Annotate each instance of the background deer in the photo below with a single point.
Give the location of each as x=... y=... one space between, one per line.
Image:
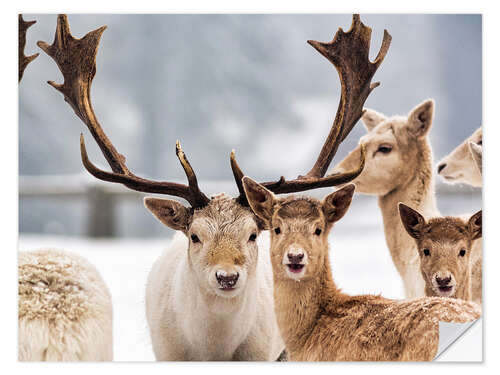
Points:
x=476 y=151
x=65 y=311
x=399 y=169
x=444 y=246
x=209 y=296
x=459 y=166
x=317 y=321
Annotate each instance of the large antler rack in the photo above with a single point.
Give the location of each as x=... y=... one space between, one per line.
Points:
x=23 y=59
x=349 y=53
x=76 y=59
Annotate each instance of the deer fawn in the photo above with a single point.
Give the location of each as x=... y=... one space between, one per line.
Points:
x=399 y=169
x=317 y=321
x=461 y=165
x=209 y=297
x=444 y=245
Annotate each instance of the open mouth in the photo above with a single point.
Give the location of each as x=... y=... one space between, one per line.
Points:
x=445 y=289
x=295 y=268
x=227 y=288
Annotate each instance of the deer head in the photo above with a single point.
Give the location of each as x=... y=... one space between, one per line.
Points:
x=444 y=245
x=299 y=228
x=460 y=166
x=393 y=148
x=222 y=231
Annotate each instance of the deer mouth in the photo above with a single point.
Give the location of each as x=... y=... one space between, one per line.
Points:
x=445 y=290
x=295 y=267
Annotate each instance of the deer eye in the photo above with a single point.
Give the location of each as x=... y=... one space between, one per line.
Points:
x=195 y=238
x=384 y=149
x=427 y=252
x=277 y=230
x=462 y=253
x=480 y=143
x=317 y=232
x=252 y=237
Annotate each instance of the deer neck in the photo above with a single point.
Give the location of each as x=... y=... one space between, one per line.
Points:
x=299 y=305
x=418 y=192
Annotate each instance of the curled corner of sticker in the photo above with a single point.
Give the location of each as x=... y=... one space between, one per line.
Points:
x=453 y=333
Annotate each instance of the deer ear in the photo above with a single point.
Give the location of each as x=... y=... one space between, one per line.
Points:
x=477 y=154
x=412 y=220
x=260 y=199
x=372 y=118
x=476 y=225
x=335 y=205
x=171 y=213
x=420 y=118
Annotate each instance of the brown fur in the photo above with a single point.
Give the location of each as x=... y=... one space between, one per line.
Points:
x=320 y=323
x=444 y=239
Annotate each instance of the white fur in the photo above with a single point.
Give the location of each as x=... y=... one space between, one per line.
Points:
x=65 y=310
x=188 y=321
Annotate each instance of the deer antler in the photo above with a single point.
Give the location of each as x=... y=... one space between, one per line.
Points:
x=76 y=59
x=349 y=53
x=23 y=59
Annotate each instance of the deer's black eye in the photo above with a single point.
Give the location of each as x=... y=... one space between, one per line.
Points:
x=195 y=238
x=384 y=149
x=317 y=232
x=427 y=252
x=277 y=230
x=480 y=143
x=252 y=237
x=462 y=253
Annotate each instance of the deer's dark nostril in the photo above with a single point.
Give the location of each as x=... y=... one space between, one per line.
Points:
x=295 y=258
x=441 y=167
x=443 y=282
x=227 y=281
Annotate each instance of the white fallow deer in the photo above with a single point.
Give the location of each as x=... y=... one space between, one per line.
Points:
x=64 y=308
x=317 y=320
x=460 y=166
x=398 y=168
x=209 y=296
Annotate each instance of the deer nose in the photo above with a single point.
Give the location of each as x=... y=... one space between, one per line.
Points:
x=227 y=280
x=443 y=282
x=295 y=258
x=441 y=167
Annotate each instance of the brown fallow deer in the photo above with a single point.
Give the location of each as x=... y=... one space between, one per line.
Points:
x=317 y=321
x=209 y=296
x=399 y=168
x=444 y=246
x=460 y=165
x=23 y=59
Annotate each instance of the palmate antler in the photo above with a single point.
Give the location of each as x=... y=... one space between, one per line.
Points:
x=349 y=53
x=76 y=59
x=23 y=59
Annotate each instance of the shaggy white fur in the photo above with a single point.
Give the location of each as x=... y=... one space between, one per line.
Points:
x=188 y=322
x=65 y=311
